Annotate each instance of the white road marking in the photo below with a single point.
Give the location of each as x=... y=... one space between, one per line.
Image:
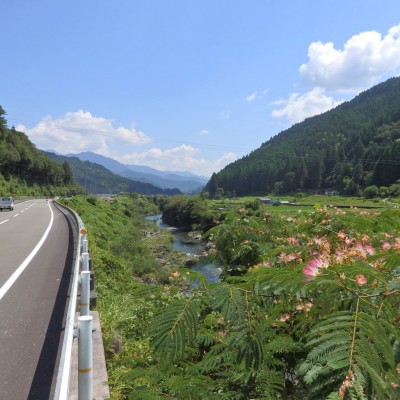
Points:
x=4 y=289
x=16 y=215
x=4 y=221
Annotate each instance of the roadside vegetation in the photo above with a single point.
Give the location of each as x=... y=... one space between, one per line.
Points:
x=308 y=306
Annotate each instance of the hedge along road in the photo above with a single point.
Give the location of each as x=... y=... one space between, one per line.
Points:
x=36 y=258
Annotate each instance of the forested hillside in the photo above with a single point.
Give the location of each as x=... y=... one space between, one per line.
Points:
x=25 y=170
x=349 y=148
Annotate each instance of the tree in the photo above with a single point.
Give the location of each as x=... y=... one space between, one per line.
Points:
x=212 y=185
x=371 y=192
x=68 y=176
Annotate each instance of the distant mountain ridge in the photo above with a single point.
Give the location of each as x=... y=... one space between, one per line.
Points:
x=98 y=179
x=186 y=182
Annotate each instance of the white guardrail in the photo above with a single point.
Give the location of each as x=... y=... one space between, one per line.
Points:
x=82 y=328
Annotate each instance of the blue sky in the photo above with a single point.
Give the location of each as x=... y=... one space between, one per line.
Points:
x=188 y=85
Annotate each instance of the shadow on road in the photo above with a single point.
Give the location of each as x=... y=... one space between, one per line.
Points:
x=43 y=383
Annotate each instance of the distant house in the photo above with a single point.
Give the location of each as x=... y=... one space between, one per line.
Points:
x=274 y=202
x=264 y=200
x=331 y=192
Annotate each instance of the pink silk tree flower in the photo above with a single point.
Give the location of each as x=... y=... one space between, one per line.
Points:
x=365 y=249
x=360 y=279
x=314 y=266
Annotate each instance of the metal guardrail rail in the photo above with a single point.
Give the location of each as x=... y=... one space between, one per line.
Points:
x=64 y=372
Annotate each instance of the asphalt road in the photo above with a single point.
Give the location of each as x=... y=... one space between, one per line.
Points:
x=36 y=258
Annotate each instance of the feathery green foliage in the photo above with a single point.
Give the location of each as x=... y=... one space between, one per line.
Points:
x=314 y=315
x=174 y=328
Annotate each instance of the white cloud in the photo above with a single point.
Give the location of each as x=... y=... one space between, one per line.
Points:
x=298 y=107
x=204 y=132
x=251 y=97
x=81 y=131
x=181 y=158
x=256 y=95
x=225 y=114
x=365 y=59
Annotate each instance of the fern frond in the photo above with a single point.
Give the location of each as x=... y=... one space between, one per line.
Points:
x=355 y=392
x=349 y=342
x=249 y=344
x=219 y=356
x=277 y=280
x=205 y=339
x=189 y=387
x=372 y=330
x=329 y=348
x=194 y=277
x=143 y=394
x=333 y=396
x=282 y=344
x=229 y=301
x=174 y=328
x=271 y=384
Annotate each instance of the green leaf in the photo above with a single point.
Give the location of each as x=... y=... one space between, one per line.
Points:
x=174 y=328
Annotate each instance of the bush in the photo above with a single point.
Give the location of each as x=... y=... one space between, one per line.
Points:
x=371 y=191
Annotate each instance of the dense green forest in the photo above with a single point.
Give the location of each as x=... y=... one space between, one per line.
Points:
x=349 y=148
x=25 y=170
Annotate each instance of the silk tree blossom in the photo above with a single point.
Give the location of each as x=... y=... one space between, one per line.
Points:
x=339 y=256
x=389 y=245
x=292 y=240
x=300 y=307
x=348 y=241
x=285 y=317
x=314 y=266
x=308 y=306
x=342 y=235
x=287 y=258
x=339 y=211
x=364 y=249
x=360 y=279
x=322 y=243
x=365 y=239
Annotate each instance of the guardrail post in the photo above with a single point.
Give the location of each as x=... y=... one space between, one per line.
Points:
x=84 y=240
x=84 y=245
x=85 y=293
x=85 y=261
x=85 y=358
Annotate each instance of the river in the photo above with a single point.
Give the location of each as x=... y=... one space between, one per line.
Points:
x=183 y=242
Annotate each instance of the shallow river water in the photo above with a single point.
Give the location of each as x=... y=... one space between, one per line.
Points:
x=183 y=242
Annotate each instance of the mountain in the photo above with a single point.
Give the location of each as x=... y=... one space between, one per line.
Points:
x=98 y=179
x=186 y=182
x=351 y=147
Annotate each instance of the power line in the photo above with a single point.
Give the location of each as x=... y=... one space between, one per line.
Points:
x=341 y=159
x=215 y=146
x=111 y=135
